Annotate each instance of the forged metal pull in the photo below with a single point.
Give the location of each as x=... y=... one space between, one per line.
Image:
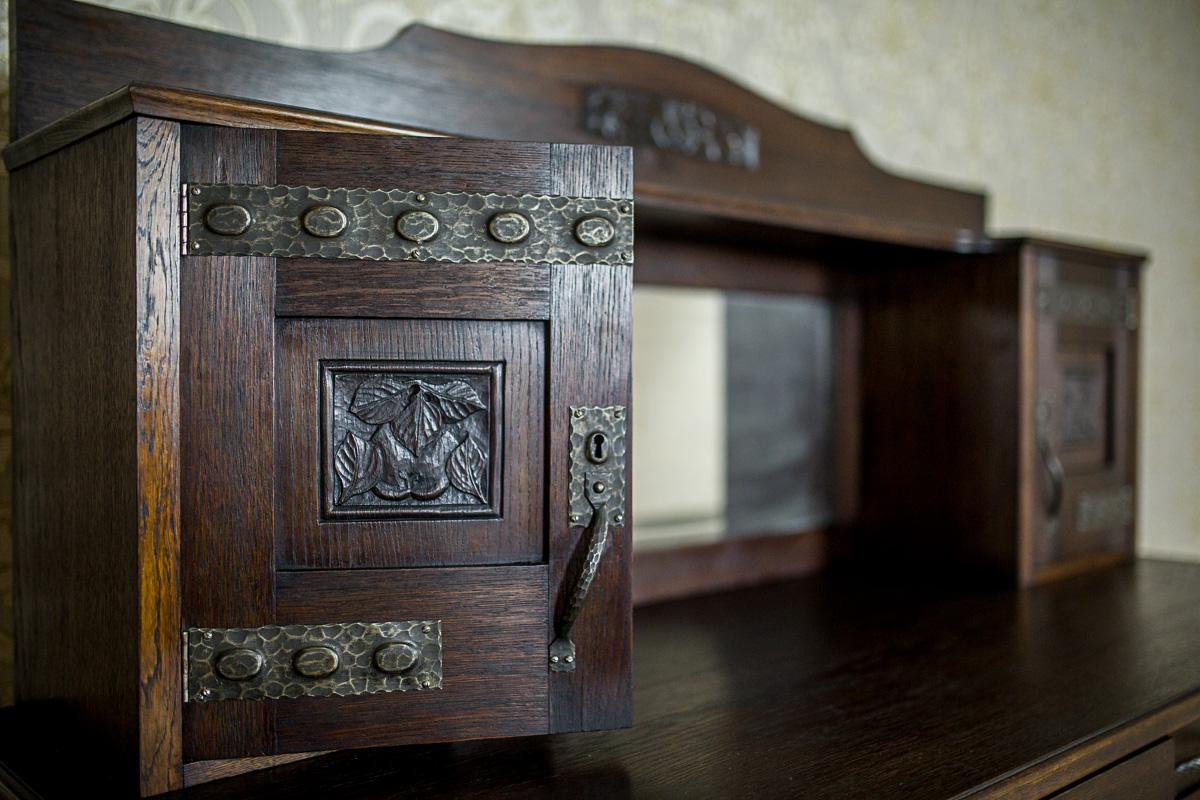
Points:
x=562 y=649
x=1054 y=468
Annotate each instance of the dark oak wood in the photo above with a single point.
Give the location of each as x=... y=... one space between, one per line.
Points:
x=589 y=353
x=941 y=427
x=732 y=563
x=1086 y=378
x=493 y=620
x=835 y=687
x=305 y=288
x=151 y=100
x=955 y=356
x=305 y=539
x=198 y=772
x=96 y=460
x=68 y=55
x=226 y=326
x=321 y=159
x=1147 y=775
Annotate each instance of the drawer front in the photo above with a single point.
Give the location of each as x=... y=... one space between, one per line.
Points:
x=1085 y=413
x=1146 y=775
x=399 y=523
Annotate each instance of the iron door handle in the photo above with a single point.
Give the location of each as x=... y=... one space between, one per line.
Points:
x=1051 y=462
x=562 y=649
x=1054 y=470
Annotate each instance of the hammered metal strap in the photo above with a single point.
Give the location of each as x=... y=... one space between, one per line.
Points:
x=336 y=660
x=1104 y=509
x=1089 y=305
x=403 y=225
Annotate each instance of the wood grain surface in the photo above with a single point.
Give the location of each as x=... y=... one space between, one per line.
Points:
x=70 y=54
x=96 y=458
x=590 y=346
x=493 y=628
x=306 y=540
x=835 y=687
x=228 y=470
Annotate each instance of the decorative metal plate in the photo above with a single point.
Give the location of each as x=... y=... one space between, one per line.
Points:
x=1105 y=509
x=1089 y=305
x=353 y=657
x=597 y=454
x=401 y=225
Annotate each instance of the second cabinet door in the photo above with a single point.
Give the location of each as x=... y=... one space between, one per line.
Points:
x=1085 y=423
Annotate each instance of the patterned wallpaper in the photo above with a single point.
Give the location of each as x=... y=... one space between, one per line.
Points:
x=1080 y=117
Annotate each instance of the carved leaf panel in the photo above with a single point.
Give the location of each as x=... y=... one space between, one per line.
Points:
x=410 y=439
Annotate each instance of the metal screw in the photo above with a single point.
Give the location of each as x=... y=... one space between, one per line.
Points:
x=553 y=659
x=578 y=413
x=570 y=659
x=204 y=694
x=618 y=518
x=208 y=635
x=196 y=190
x=426 y=628
x=420 y=198
x=618 y=413
x=574 y=518
x=624 y=208
x=598 y=487
x=426 y=684
x=627 y=256
x=196 y=246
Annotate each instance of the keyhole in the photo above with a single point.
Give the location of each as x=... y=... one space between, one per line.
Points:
x=597 y=448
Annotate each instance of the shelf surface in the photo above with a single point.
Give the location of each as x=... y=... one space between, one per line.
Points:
x=832 y=687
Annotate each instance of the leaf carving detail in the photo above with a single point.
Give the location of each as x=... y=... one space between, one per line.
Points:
x=359 y=464
x=418 y=423
x=412 y=453
x=466 y=468
x=380 y=400
x=455 y=400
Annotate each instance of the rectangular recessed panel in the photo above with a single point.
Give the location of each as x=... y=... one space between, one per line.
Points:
x=411 y=439
x=409 y=443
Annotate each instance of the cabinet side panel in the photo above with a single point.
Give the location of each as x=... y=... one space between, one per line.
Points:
x=156 y=324
x=941 y=366
x=75 y=455
x=590 y=352
x=227 y=379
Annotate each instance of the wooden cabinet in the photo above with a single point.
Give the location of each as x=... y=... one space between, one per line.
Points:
x=327 y=432
x=1085 y=399
x=999 y=410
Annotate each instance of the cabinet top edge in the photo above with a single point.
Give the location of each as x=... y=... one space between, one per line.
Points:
x=1070 y=248
x=184 y=105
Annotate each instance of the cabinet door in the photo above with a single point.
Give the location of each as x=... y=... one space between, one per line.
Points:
x=405 y=394
x=1085 y=411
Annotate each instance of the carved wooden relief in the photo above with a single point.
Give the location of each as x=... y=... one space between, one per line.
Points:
x=674 y=124
x=407 y=439
x=1083 y=404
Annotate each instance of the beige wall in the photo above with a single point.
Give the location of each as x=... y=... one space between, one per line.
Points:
x=1080 y=117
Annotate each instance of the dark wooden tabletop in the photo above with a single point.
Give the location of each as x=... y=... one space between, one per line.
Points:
x=832 y=688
